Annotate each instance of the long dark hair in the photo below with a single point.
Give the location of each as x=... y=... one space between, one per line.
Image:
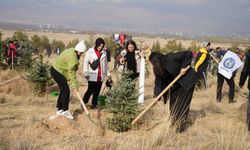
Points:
x=131 y=42
x=130 y=57
x=156 y=60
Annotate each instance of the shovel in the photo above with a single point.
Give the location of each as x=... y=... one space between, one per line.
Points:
x=84 y=107
x=156 y=99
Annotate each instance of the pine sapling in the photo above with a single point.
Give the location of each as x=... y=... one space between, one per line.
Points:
x=122 y=103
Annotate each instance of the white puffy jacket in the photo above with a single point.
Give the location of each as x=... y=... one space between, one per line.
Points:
x=90 y=57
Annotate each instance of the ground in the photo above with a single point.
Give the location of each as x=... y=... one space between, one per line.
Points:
x=24 y=120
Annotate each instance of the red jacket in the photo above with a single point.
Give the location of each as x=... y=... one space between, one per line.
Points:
x=122 y=38
x=12 y=47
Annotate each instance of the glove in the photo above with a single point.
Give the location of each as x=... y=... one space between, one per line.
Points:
x=109 y=83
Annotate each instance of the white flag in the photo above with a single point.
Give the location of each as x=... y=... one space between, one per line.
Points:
x=230 y=62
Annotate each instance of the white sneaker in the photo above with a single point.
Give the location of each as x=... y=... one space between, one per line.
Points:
x=67 y=114
x=58 y=113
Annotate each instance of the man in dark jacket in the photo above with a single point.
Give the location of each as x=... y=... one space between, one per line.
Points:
x=243 y=76
x=166 y=68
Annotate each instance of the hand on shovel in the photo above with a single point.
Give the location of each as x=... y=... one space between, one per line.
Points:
x=184 y=70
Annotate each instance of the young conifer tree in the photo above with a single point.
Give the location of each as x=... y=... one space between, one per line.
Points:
x=24 y=59
x=122 y=103
x=2 y=54
x=40 y=76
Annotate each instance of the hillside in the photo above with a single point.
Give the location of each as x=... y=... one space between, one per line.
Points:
x=67 y=37
x=24 y=122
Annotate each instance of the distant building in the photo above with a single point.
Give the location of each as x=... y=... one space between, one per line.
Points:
x=73 y=31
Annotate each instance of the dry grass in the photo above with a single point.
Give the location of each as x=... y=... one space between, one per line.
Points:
x=24 y=124
x=24 y=120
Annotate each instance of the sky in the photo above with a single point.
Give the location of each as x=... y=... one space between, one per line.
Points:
x=171 y=16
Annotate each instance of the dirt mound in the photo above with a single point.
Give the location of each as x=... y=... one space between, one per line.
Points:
x=80 y=131
x=91 y=126
x=57 y=125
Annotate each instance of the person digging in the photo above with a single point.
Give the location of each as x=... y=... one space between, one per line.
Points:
x=64 y=69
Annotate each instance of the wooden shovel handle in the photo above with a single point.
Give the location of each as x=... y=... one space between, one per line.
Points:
x=84 y=106
x=215 y=59
x=156 y=99
x=5 y=82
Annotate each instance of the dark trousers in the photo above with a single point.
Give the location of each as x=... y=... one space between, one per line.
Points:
x=248 y=111
x=93 y=88
x=202 y=80
x=63 y=99
x=180 y=100
x=230 y=82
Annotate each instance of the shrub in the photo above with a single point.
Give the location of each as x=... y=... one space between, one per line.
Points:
x=40 y=76
x=122 y=103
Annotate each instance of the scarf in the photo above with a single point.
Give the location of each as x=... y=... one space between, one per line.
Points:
x=131 y=62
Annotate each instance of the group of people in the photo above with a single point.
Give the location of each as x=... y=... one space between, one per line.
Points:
x=166 y=68
x=204 y=58
x=95 y=70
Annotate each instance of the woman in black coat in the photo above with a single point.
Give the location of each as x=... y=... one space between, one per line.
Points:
x=243 y=76
x=166 y=68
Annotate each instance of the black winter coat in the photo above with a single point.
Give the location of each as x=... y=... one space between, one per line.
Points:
x=245 y=71
x=172 y=64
